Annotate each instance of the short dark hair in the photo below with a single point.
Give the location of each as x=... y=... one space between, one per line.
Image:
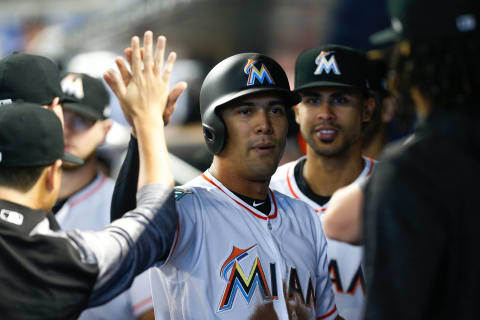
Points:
x=20 y=178
x=447 y=72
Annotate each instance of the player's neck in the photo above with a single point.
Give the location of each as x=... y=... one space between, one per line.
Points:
x=238 y=183
x=325 y=175
x=376 y=145
x=77 y=178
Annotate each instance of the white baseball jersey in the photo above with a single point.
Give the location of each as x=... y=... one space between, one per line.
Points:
x=89 y=209
x=345 y=262
x=230 y=261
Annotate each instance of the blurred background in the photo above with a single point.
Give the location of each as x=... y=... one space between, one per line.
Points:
x=85 y=36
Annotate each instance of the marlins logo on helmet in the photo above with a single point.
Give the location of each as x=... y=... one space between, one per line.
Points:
x=253 y=73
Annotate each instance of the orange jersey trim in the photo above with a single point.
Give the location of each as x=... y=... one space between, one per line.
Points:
x=328 y=314
x=142 y=303
x=89 y=193
x=245 y=207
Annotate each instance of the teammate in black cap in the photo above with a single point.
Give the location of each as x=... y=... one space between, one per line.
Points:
x=48 y=274
x=336 y=107
x=421 y=216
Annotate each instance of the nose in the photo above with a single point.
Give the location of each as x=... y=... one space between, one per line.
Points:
x=325 y=112
x=263 y=123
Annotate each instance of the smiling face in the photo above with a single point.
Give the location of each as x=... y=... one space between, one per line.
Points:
x=331 y=118
x=256 y=134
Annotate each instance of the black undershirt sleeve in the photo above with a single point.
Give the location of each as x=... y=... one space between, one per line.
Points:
x=123 y=198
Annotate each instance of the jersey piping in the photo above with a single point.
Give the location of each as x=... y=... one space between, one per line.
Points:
x=325 y=316
x=367 y=170
x=245 y=205
x=89 y=193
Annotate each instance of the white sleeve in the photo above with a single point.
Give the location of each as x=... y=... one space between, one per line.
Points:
x=140 y=294
x=326 y=308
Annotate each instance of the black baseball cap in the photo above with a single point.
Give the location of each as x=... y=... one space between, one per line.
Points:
x=331 y=66
x=31 y=136
x=88 y=95
x=429 y=19
x=29 y=78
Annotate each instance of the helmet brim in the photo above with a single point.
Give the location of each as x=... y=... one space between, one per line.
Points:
x=292 y=98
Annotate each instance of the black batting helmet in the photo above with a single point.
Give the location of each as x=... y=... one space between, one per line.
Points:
x=237 y=76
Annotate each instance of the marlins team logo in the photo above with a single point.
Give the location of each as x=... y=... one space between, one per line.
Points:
x=237 y=280
x=72 y=85
x=254 y=73
x=326 y=62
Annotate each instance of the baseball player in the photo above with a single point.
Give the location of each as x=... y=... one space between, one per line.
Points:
x=335 y=108
x=242 y=251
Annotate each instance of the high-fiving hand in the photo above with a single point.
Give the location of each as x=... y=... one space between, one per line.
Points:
x=143 y=91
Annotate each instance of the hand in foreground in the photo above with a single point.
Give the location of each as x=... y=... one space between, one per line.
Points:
x=143 y=92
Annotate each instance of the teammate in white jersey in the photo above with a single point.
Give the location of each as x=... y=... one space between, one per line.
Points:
x=85 y=191
x=335 y=108
x=242 y=251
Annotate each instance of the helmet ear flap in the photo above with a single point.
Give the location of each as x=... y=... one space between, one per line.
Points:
x=214 y=135
x=208 y=133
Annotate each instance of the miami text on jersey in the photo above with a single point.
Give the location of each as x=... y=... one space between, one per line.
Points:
x=233 y=273
x=357 y=279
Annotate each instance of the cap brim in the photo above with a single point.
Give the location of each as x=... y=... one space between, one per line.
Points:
x=384 y=37
x=292 y=97
x=325 y=84
x=83 y=110
x=68 y=157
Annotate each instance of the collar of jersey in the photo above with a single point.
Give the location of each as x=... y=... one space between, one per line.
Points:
x=295 y=190
x=211 y=179
x=88 y=191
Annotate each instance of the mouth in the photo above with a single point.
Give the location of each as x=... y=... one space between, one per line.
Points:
x=264 y=147
x=326 y=135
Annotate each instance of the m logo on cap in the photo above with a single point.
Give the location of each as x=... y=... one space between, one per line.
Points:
x=72 y=85
x=253 y=73
x=326 y=65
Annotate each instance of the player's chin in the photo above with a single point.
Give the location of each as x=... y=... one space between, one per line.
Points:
x=265 y=167
x=69 y=166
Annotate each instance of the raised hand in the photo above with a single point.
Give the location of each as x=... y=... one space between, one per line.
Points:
x=147 y=104
x=143 y=92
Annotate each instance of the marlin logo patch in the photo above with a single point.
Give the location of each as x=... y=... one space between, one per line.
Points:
x=72 y=84
x=254 y=73
x=326 y=62
x=179 y=193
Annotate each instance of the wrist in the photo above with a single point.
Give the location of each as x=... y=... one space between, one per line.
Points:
x=147 y=122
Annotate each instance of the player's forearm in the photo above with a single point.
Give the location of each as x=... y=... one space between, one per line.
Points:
x=129 y=245
x=154 y=164
x=343 y=219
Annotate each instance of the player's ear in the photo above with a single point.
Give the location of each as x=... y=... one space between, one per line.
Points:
x=295 y=110
x=53 y=175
